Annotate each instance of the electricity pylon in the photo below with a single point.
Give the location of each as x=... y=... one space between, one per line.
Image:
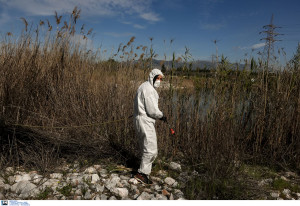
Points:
x=268 y=53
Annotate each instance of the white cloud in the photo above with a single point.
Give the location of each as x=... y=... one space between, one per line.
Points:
x=137 y=26
x=253 y=47
x=141 y=8
x=115 y=34
x=257 y=46
x=150 y=16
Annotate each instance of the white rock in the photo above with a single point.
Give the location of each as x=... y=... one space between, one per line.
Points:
x=99 y=188
x=78 y=192
x=291 y=174
x=51 y=183
x=20 y=173
x=133 y=187
x=262 y=183
x=97 y=197
x=298 y=195
x=76 y=181
x=103 y=197
x=274 y=194
x=265 y=182
x=161 y=197
x=126 y=198
x=103 y=175
x=23 y=187
x=34 y=192
x=9 y=170
x=157 y=188
x=97 y=167
x=11 y=179
x=112 y=182
x=1 y=180
x=56 y=176
x=87 y=195
x=133 y=181
x=87 y=177
x=103 y=171
x=95 y=178
x=6 y=187
x=37 y=178
x=75 y=174
x=170 y=181
x=171 y=197
x=32 y=174
x=125 y=183
x=178 y=193
x=2 y=197
x=90 y=170
x=147 y=190
x=157 y=179
x=162 y=173
x=166 y=187
x=25 y=177
x=114 y=175
x=284 y=178
x=85 y=185
x=144 y=196
x=112 y=198
x=288 y=196
x=121 y=192
x=124 y=177
x=18 y=178
x=175 y=166
x=286 y=191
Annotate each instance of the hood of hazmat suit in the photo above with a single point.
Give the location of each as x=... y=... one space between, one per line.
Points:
x=146 y=111
x=146 y=99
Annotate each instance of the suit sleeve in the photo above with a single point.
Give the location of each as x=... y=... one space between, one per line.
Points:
x=151 y=106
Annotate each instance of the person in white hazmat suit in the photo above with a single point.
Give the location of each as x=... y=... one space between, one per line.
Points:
x=146 y=111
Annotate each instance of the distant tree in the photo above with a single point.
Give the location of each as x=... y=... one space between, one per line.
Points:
x=295 y=61
x=163 y=68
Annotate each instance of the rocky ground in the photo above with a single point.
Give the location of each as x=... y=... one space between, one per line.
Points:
x=97 y=182
x=268 y=184
x=115 y=182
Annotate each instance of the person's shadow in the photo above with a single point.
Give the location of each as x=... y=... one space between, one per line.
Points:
x=128 y=158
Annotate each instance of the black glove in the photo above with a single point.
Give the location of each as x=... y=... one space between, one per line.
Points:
x=164 y=118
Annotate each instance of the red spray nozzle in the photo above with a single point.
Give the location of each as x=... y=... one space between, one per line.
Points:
x=172 y=131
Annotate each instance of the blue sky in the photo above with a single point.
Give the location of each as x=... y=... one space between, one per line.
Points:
x=194 y=24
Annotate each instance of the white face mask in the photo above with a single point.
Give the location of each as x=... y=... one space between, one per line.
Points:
x=156 y=84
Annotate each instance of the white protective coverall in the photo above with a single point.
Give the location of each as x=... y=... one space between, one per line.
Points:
x=146 y=111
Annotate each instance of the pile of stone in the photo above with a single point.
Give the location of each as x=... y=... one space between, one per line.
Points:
x=286 y=193
x=92 y=183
